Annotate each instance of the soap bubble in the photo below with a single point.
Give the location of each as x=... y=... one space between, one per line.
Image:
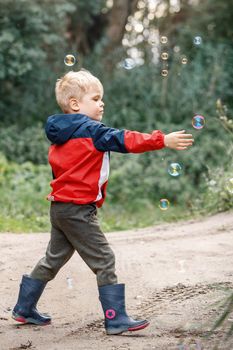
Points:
x=69 y=60
x=184 y=60
x=198 y=122
x=174 y=169
x=128 y=63
x=229 y=185
x=69 y=282
x=164 y=72
x=164 y=56
x=197 y=40
x=181 y=263
x=164 y=204
x=163 y=40
x=176 y=49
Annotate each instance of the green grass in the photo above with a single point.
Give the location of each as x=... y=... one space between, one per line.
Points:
x=24 y=208
x=24 y=225
x=112 y=217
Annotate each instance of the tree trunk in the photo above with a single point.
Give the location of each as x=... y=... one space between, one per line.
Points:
x=107 y=27
x=117 y=20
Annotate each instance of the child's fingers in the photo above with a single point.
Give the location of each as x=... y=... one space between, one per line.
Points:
x=180 y=132
x=185 y=141
x=181 y=148
x=184 y=146
x=185 y=136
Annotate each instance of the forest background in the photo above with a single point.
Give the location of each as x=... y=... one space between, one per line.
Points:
x=120 y=41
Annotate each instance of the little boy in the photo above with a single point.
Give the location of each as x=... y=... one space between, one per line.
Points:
x=79 y=157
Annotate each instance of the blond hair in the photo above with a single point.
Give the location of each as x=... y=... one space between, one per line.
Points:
x=75 y=85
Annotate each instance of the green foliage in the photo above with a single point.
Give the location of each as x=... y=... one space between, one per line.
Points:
x=23 y=145
x=84 y=17
x=23 y=191
x=138 y=213
x=146 y=101
x=35 y=36
x=218 y=190
x=22 y=196
x=223 y=321
x=32 y=48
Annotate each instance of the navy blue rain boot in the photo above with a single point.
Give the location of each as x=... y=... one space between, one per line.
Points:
x=112 y=298
x=25 y=310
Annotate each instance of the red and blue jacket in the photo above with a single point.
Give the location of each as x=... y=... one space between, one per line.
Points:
x=79 y=155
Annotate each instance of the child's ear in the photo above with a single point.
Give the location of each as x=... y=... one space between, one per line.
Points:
x=74 y=104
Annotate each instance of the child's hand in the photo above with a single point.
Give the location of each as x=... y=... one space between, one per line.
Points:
x=178 y=140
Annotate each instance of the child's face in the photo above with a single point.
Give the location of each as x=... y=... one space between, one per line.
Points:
x=91 y=104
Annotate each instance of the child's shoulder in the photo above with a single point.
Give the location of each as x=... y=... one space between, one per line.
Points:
x=62 y=127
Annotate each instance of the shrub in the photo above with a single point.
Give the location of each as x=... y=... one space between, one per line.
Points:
x=24 y=145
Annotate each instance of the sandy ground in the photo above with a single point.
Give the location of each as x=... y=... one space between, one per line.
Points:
x=176 y=275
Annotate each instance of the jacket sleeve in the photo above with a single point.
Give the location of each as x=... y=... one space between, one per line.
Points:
x=126 y=141
x=137 y=142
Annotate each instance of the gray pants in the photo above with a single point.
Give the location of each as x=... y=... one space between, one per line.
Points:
x=76 y=227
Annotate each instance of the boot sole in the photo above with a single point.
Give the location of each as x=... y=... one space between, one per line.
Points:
x=24 y=320
x=112 y=331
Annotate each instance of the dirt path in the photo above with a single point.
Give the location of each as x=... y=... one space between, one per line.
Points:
x=175 y=275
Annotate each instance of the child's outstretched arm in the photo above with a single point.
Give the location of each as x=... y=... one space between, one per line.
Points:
x=127 y=141
x=178 y=140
